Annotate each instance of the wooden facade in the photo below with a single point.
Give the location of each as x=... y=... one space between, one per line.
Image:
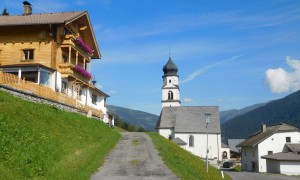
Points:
x=53 y=50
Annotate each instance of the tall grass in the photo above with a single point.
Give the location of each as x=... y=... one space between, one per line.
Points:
x=184 y=164
x=43 y=142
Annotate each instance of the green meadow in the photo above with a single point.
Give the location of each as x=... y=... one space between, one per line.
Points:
x=42 y=142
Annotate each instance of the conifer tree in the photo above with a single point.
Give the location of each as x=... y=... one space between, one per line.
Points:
x=5 y=12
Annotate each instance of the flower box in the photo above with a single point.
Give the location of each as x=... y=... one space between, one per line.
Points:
x=84 y=46
x=83 y=71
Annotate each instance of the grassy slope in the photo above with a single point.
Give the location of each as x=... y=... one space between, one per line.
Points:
x=40 y=141
x=182 y=163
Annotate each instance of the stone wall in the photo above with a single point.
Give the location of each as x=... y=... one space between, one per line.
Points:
x=33 y=98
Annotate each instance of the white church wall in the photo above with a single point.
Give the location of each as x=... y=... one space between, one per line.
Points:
x=199 y=148
x=166 y=133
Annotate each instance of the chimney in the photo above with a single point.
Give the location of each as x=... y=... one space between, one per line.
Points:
x=263 y=127
x=27 y=8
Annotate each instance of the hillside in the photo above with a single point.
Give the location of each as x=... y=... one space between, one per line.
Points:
x=135 y=117
x=183 y=163
x=39 y=141
x=283 y=110
x=229 y=114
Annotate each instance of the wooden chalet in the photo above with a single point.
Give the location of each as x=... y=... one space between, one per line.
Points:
x=52 y=50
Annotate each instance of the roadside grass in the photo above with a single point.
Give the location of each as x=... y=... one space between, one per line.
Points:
x=135 y=142
x=237 y=168
x=134 y=162
x=184 y=164
x=118 y=129
x=42 y=142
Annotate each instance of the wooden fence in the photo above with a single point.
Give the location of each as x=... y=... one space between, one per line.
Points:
x=45 y=92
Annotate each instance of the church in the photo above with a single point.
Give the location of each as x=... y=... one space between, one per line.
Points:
x=194 y=128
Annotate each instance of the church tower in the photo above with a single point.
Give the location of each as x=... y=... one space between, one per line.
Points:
x=170 y=88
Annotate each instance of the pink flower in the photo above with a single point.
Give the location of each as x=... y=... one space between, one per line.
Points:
x=84 y=46
x=83 y=72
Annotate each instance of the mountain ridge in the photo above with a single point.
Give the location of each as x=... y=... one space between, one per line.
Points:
x=282 y=110
x=135 y=117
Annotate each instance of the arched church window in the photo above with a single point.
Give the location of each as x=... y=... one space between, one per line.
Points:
x=191 y=141
x=169 y=80
x=170 y=95
x=224 y=155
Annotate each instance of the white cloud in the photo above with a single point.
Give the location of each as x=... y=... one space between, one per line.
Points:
x=220 y=100
x=111 y=92
x=202 y=70
x=188 y=100
x=99 y=86
x=281 y=81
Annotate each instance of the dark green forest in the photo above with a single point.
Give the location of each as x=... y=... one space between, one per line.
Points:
x=285 y=110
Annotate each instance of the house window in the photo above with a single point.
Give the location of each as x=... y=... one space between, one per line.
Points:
x=191 y=141
x=253 y=153
x=270 y=152
x=65 y=58
x=170 y=95
x=245 y=153
x=287 y=139
x=79 y=94
x=28 y=54
x=94 y=99
x=64 y=87
x=66 y=31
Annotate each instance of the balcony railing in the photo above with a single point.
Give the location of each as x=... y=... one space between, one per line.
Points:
x=45 y=92
x=71 y=70
x=83 y=72
x=78 y=43
x=84 y=46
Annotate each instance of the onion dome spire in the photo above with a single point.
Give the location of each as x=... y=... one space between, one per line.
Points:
x=170 y=69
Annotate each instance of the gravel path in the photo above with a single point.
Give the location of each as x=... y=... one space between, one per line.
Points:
x=134 y=158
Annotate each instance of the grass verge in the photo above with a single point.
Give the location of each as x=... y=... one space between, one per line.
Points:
x=42 y=142
x=237 y=168
x=184 y=164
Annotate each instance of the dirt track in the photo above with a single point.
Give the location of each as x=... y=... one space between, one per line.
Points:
x=134 y=158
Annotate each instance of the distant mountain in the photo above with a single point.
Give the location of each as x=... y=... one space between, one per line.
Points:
x=285 y=110
x=135 y=117
x=229 y=114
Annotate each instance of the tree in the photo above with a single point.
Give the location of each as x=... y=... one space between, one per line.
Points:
x=141 y=129
x=5 y=12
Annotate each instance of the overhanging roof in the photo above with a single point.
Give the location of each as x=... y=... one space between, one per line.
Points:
x=189 y=119
x=55 y=18
x=45 y=18
x=283 y=156
x=261 y=136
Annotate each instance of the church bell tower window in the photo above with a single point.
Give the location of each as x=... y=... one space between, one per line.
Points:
x=170 y=95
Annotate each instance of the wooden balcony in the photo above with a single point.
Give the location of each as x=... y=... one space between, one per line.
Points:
x=69 y=41
x=68 y=70
x=13 y=81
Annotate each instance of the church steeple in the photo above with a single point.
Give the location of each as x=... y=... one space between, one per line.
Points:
x=170 y=69
x=170 y=89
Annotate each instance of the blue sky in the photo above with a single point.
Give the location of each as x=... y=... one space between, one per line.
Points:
x=230 y=53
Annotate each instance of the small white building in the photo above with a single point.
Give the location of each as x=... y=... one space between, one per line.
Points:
x=187 y=125
x=287 y=163
x=225 y=150
x=266 y=145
